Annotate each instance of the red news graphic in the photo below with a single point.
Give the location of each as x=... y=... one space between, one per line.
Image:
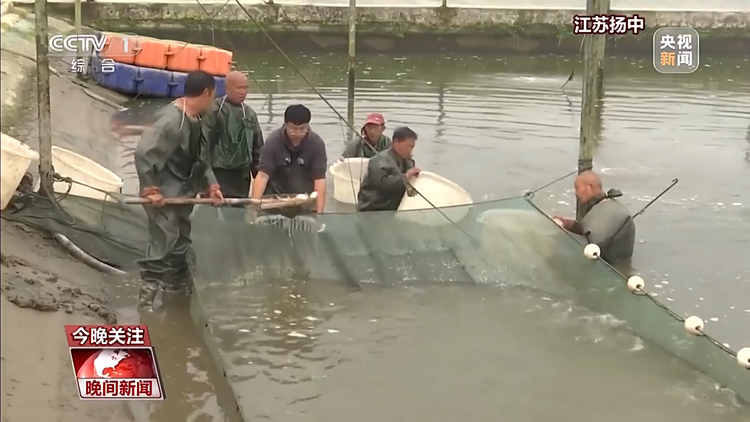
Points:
x=608 y=24
x=114 y=362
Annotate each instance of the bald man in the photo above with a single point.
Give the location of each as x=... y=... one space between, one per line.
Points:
x=604 y=220
x=235 y=138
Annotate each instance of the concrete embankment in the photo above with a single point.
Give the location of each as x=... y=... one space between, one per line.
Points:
x=512 y=28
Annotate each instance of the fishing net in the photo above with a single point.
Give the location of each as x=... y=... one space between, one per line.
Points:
x=509 y=242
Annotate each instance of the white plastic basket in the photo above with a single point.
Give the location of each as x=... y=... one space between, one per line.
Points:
x=15 y=160
x=454 y=202
x=347 y=176
x=83 y=170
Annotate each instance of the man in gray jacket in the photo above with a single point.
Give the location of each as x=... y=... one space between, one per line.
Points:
x=604 y=220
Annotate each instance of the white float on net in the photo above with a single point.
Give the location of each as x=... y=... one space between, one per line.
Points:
x=636 y=284
x=592 y=251
x=743 y=357
x=694 y=325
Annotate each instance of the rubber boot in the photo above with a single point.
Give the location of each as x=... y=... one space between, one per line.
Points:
x=147 y=294
x=176 y=293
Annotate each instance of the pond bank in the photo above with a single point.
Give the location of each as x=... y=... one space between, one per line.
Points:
x=403 y=29
x=43 y=287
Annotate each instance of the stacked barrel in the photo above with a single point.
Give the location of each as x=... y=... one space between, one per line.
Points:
x=156 y=68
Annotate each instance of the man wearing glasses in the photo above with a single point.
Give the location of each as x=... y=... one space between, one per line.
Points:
x=293 y=159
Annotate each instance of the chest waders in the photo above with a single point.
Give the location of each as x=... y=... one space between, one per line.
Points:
x=232 y=154
x=169 y=257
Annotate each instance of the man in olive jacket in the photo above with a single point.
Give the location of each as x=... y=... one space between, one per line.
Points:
x=604 y=221
x=384 y=185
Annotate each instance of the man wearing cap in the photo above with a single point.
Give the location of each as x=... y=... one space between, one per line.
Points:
x=372 y=133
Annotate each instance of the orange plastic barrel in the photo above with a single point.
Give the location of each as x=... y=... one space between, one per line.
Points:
x=120 y=48
x=215 y=61
x=153 y=53
x=183 y=56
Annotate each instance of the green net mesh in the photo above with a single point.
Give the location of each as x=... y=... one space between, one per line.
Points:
x=509 y=242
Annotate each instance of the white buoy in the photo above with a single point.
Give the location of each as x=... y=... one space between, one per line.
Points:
x=743 y=357
x=694 y=325
x=636 y=284
x=558 y=222
x=592 y=251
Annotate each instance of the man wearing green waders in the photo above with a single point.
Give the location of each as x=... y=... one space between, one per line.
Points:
x=372 y=134
x=235 y=138
x=171 y=162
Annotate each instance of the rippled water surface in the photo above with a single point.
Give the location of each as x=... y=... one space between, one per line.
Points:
x=499 y=126
x=448 y=353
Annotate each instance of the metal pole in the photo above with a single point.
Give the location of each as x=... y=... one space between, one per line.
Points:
x=593 y=66
x=42 y=93
x=352 y=63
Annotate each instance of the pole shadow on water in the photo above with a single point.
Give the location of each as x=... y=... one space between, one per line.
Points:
x=270 y=108
x=441 y=126
x=747 y=152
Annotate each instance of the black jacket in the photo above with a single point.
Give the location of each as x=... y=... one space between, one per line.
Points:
x=384 y=185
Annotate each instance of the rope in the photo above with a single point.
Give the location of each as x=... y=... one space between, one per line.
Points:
x=638 y=286
x=257 y=83
x=530 y=194
x=638 y=289
x=295 y=224
x=56 y=201
x=341 y=118
x=712 y=340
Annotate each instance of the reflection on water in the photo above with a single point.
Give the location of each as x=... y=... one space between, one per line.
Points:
x=500 y=126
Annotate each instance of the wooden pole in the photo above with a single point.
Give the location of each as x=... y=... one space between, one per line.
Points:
x=78 y=30
x=593 y=67
x=352 y=64
x=43 y=101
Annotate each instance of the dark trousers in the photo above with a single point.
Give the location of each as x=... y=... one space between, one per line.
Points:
x=234 y=183
x=168 y=254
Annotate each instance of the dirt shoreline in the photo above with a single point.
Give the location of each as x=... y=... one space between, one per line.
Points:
x=43 y=287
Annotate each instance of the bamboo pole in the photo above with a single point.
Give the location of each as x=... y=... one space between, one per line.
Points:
x=593 y=66
x=263 y=204
x=352 y=64
x=43 y=101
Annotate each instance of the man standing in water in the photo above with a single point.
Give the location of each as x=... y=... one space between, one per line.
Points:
x=293 y=160
x=372 y=134
x=384 y=186
x=171 y=162
x=235 y=138
x=604 y=220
